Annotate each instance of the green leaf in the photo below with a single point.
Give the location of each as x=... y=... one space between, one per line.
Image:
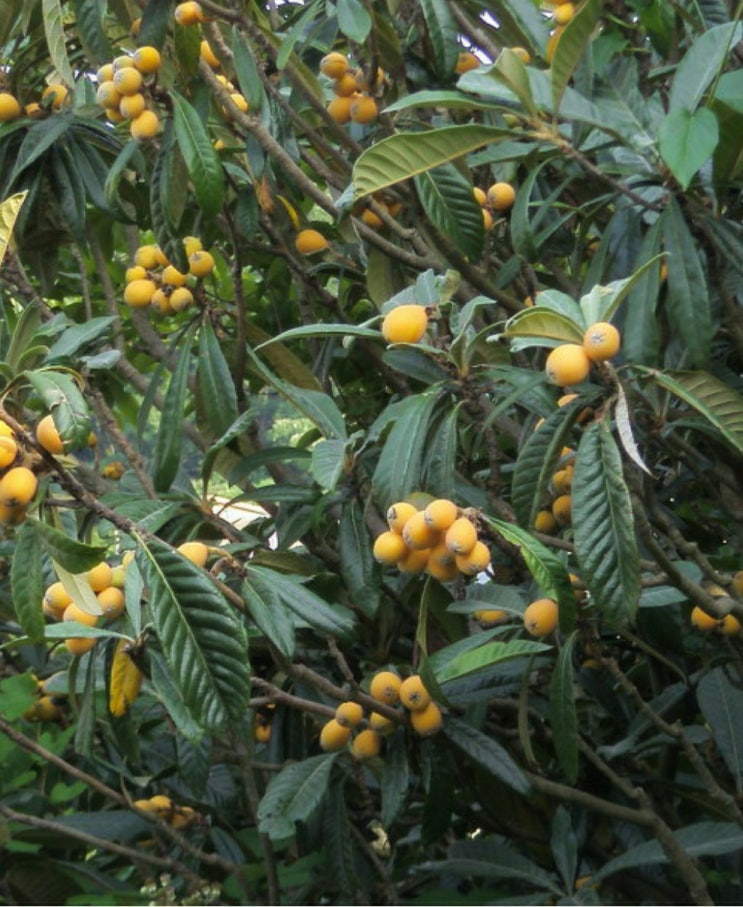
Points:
x=156 y=17
x=721 y=704
x=395 y=779
x=359 y=570
x=487 y=752
x=298 y=31
x=293 y=795
x=640 y=335
x=217 y=389
x=485 y=656
x=442 y=31
x=328 y=462
x=169 y=442
x=720 y=404
x=270 y=614
x=24 y=336
x=321 y=330
x=564 y=846
x=701 y=63
x=509 y=68
x=439 y=465
x=687 y=140
x=563 y=716
x=76 y=336
x=167 y=196
x=203 y=641
x=72 y=555
x=201 y=159
x=335 y=620
x=18 y=693
x=61 y=395
x=603 y=301
x=89 y=20
x=338 y=840
x=168 y=690
x=402 y=156
x=55 y=39
x=27 y=581
x=603 y=526
x=398 y=469
x=246 y=71
x=570 y=47
x=76 y=585
x=688 y=300
x=353 y=20
x=542 y=323
x=446 y=196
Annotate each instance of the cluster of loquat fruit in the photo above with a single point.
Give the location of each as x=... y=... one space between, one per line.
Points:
x=153 y=280
x=354 y=100
x=570 y=363
x=212 y=60
x=729 y=625
x=18 y=481
x=48 y=705
x=497 y=198
x=52 y=99
x=163 y=806
x=389 y=688
x=124 y=91
x=440 y=540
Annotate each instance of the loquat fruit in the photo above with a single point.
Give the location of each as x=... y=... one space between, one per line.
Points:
x=196 y=552
x=5 y=430
x=334 y=736
x=349 y=714
x=46 y=709
x=105 y=73
x=124 y=61
x=57 y=597
x=501 y=196
x=703 y=621
x=10 y=109
x=366 y=744
x=48 y=436
x=100 y=576
x=475 y=561
x=139 y=293
x=381 y=723
x=413 y=694
x=8 y=451
x=18 y=487
x=737 y=582
x=339 y=109
x=562 y=480
x=127 y=81
x=180 y=299
x=111 y=601
x=58 y=94
x=385 y=687
x=79 y=645
x=389 y=548
x=523 y=54
x=461 y=536
x=188 y=13
x=146 y=59
x=440 y=514
x=345 y=86
x=541 y=617
x=310 y=241
x=465 y=62
x=561 y=509
x=441 y=571
x=601 y=341
x=173 y=277
x=364 y=109
x=262 y=733
x=480 y=195
x=146 y=257
x=552 y=41
x=563 y=13
x=545 y=522
x=334 y=65
x=400 y=512
x=145 y=126
x=372 y=219
x=488 y=221
x=417 y=534
x=427 y=721
x=405 y=324
x=107 y=96
x=73 y=612
x=567 y=364
x=730 y=625
x=133 y=105
x=490 y=617
x=207 y=54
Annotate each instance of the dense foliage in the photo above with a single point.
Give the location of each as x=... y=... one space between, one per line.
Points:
x=235 y=490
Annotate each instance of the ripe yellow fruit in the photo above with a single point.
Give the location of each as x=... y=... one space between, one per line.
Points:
x=105 y=73
x=309 y=241
x=57 y=597
x=561 y=509
x=139 y=293
x=127 y=81
x=339 y=109
x=5 y=430
x=480 y=195
x=490 y=617
x=563 y=13
x=413 y=695
x=100 y=576
x=415 y=561
x=465 y=62
x=334 y=736
x=372 y=219
x=441 y=571
x=545 y=522
x=132 y=106
x=145 y=126
x=461 y=536
x=12 y=516
x=46 y=709
x=146 y=257
x=345 y=86
x=427 y=721
x=10 y=109
x=180 y=299
x=147 y=59
x=206 y=53
x=124 y=61
x=135 y=272
x=381 y=723
x=364 y=109
x=349 y=714
x=730 y=625
x=562 y=480
x=192 y=244
x=366 y=745
x=601 y=341
x=501 y=196
x=48 y=436
x=385 y=687
x=8 y=451
x=160 y=803
x=567 y=364
x=417 y=534
x=541 y=617
x=107 y=96
x=73 y=612
x=523 y=54
x=196 y=552
x=240 y=101
x=118 y=576
x=399 y=513
x=58 y=94
x=188 y=13
x=552 y=42
x=173 y=277
x=703 y=621
x=111 y=601
x=440 y=514
x=405 y=324
x=389 y=547
x=334 y=65
x=18 y=487
x=35 y=111
x=475 y=561
x=262 y=733
x=79 y=645
x=441 y=554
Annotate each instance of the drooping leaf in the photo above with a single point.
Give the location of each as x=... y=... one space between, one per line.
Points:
x=487 y=655
x=27 y=581
x=640 y=335
x=563 y=715
x=541 y=323
x=74 y=556
x=338 y=840
x=77 y=586
x=125 y=681
x=156 y=17
x=89 y=20
x=487 y=752
x=169 y=691
x=246 y=71
x=395 y=779
x=687 y=140
x=328 y=462
x=446 y=196
x=216 y=386
x=441 y=29
x=169 y=442
x=55 y=39
x=293 y=795
x=201 y=159
x=270 y=614
x=9 y=211
x=721 y=703
x=360 y=571
x=76 y=336
x=701 y=63
x=570 y=47
x=203 y=641
x=564 y=846
x=603 y=525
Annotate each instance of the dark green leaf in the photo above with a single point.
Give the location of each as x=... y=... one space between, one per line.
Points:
x=168 y=690
x=27 y=581
x=360 y=571
x=564 y=846
x=485 y=656
x=293 y=795
x=721 y=703
x=156 y=17
x=76 y=336
x=246 y=71
x=61 y=395
x=169 y=443
x=563 y=716
x=603 y=525
x=71 y=554
x=24 y=336
x=328 y=462
x=446 y=196
x=219 y=399
x=640 y=336
x=395 y=779
x=39 y=137
x=570 y=46
x=201 y=159
x=442 y=35
x=89 y=19
x=338 y=840
x=55 y=39
x=270 y=614
x=487 y=752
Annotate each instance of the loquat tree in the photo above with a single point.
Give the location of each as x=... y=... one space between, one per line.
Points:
x=371 y=446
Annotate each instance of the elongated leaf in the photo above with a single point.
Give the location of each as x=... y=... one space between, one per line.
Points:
x=338 y=840
x=27 y=581
x=270 y=614
x=167 y=196
x=201 y=159
x=216 y=386
x=547 y=569
x=395 y=779
x=74 y=556
x=442 y=33
x=293 y=795
x=360 y=571
x=335 y=620
x=564 y=845
x=624 y=430
x=169 y=692
x=539 y=322
x=156 y=17
x=61 y=394
x=402 y=156
x=125 y=681
x=246 y=71
x=721 y=703
x=399 y=467
x=9 y=211
x=321 y=330
x=720 y=404
x=89 y=20
x=76 y=585
x=570 y=46
x=488 y=655
x=76 y=336
x=203 y=642
x=55 y=39
x=563 y=716
x=486 y=752
x=605 y=543
x=701 y=64
x=640 y=335
x=687 y=140
x=510 y=69
x=169 y=443
x=446 y=196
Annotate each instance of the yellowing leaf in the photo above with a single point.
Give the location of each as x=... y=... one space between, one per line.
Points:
x=8 y=213
x=126 y=680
